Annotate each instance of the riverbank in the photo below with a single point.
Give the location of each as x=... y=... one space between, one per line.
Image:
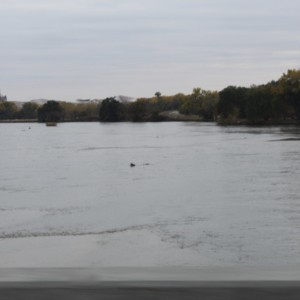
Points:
x=179 y=118
x=19 y=121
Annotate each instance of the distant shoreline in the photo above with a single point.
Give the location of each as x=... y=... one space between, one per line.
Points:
x=20 y=121
x=220 y=122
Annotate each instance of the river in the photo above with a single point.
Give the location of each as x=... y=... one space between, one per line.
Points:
x=199 y=194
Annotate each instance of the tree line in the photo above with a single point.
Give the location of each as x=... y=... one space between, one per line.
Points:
x=50 y=111
x=276 y=101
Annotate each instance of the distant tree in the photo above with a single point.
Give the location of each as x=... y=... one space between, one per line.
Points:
x=111 y=110
x=159 y=102
x=157 y=95
x=176 y=101
x=209 y=109
x=258 y=104
x=197 y=92
x=91 y=111
x=51 y=111
x=290 y=86
x=29 y=110
x=8 y=110
x=137 y=110
x=193 y=103
x=232 y=102
x=81 y=111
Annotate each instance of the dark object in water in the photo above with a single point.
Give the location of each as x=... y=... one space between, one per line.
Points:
x=132 y=165
x=51 y=124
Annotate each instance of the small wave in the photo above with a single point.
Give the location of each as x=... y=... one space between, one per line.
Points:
x=26 y=234
x=119 y=148
x=144 y=147
x=64 y=233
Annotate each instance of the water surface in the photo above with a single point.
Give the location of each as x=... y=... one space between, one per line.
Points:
x=230 y=193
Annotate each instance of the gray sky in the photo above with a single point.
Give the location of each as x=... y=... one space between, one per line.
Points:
x=69 y=49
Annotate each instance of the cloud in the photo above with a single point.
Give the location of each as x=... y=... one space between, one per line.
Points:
x=101 y=46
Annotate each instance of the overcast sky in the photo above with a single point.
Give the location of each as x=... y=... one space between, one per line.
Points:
x=69 y=49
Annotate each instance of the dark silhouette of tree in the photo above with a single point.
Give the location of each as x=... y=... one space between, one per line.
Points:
x=232 y=102
x=158 y=95
x=51 y=111
x=111 y=110
x=258 y=104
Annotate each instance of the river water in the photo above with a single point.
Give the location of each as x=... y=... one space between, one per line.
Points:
x=231 y=194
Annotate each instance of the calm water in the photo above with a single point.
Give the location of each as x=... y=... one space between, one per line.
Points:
x=231 y=193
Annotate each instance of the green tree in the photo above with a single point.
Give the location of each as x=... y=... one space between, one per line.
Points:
x=209 y=108
x=52 y=111
x=8 y=110
x=193 y=103
x=232 y=102
x=29 y=110
x=111 y=110
x=159 y=102
x=258 y=104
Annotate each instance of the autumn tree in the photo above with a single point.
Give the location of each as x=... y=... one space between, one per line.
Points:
x=290 y=85
x=137 y=110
